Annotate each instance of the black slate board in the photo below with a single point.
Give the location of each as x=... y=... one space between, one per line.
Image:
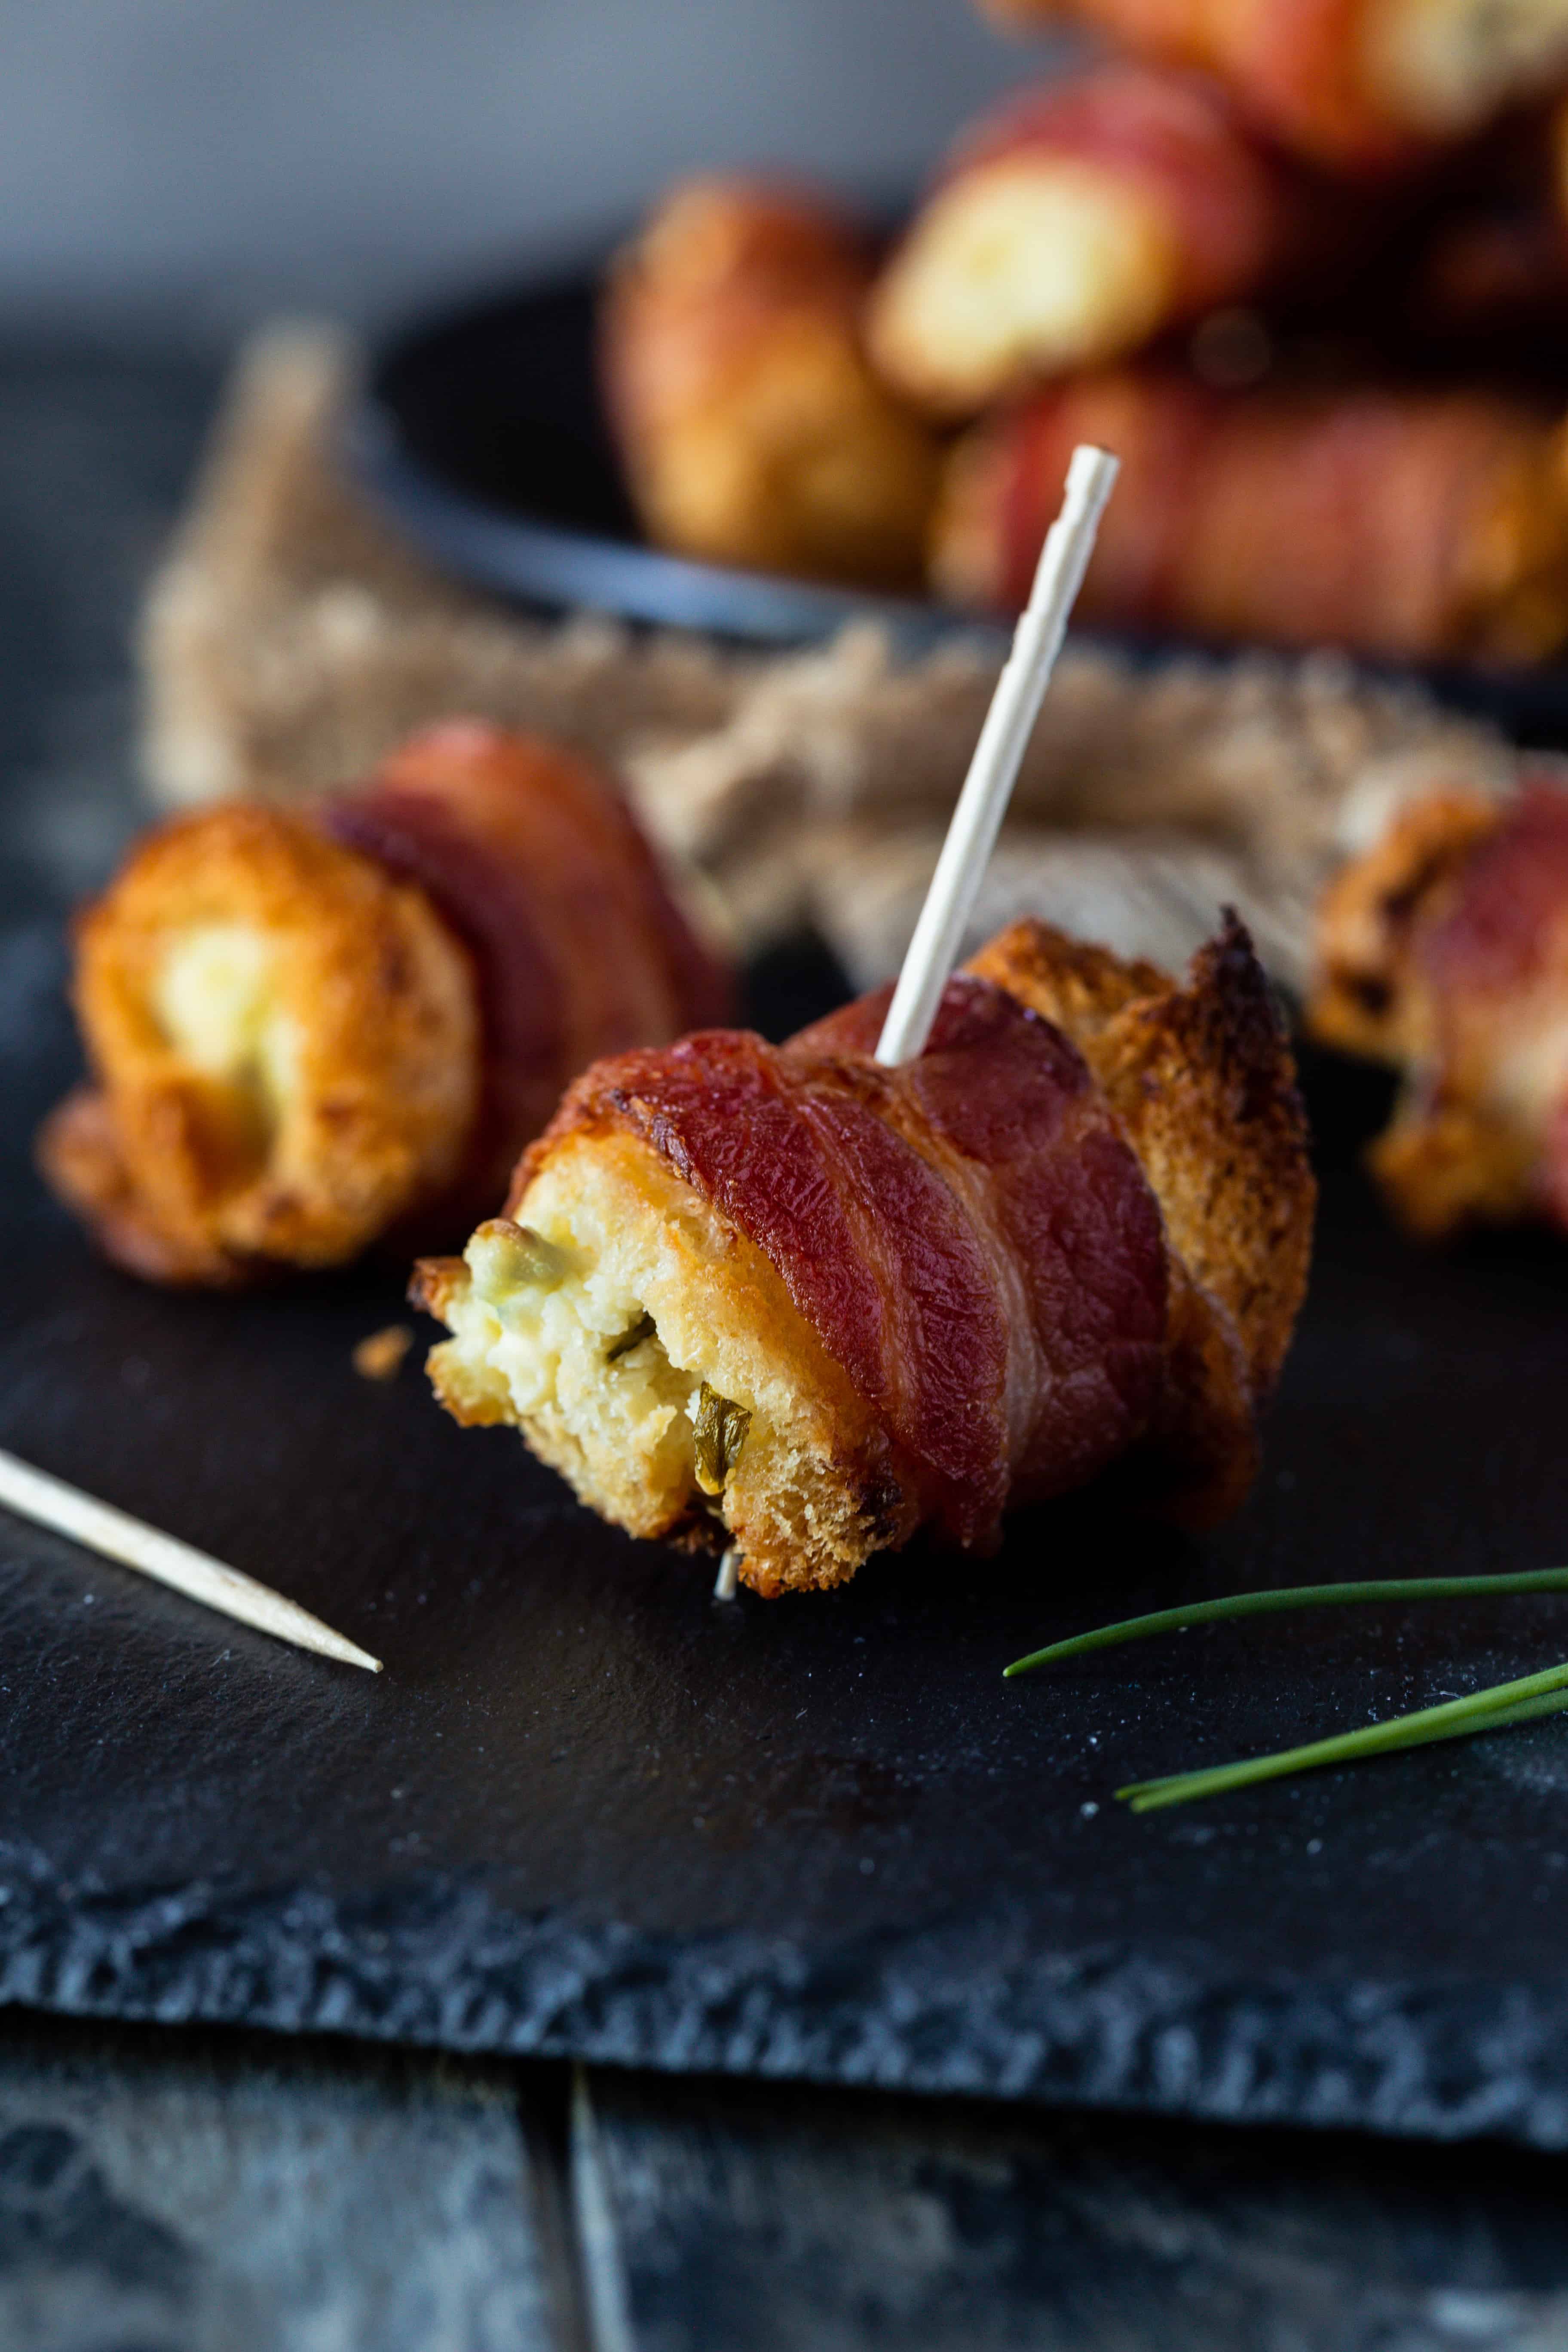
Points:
x=588 y=1810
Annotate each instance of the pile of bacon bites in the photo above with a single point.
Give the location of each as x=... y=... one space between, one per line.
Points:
x=1302 y=265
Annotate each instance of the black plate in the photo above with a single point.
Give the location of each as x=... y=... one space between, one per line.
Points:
x=587 y=1810
x=482 y=433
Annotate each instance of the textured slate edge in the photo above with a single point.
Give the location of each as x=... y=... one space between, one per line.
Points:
x=970 y=2008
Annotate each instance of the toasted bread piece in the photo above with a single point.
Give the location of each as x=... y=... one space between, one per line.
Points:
x=1203 y=1080
x=1365 y=996
x=1020 y=267
x=644 y=1303
x=78 y=1155
x=1079 y=985
x=1443 y=951
x=1076 y=220
x=1441 y=1165
x=285 y=1051
x=750 y=425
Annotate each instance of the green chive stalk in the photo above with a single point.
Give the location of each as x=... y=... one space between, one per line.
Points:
x=1492 y=1709
x=1295 y=1596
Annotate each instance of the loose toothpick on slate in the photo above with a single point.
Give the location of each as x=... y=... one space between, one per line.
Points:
x=33 y=1495
x=994 y=769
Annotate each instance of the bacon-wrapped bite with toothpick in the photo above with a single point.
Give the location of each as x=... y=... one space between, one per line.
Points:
x=1357 y=85
x=308 y=1030
x=1075 y=222
x=1443 y=951
x=750 y=426
x=788 y=1300
x=1423 y=525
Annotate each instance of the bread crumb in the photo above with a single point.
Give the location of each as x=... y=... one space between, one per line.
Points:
x=380 y=1355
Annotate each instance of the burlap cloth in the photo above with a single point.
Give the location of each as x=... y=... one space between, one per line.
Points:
x=291 y=638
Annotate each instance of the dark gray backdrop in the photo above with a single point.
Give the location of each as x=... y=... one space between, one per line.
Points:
x=214 y=158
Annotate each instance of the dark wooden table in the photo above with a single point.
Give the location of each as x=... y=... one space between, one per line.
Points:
x=161 y=2192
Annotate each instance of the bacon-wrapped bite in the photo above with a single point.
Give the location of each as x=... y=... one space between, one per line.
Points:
x=750 y=426
x=1203 y=1085
x=785 y=1298
x=1358 y=85
x=1424 y=526
x=308 y=1029
x=1443 y=951
x=1075 y=222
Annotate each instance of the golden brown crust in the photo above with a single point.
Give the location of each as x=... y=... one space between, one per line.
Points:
x=434 y=1284
x=815 y=1486
x=77 y=1154
x=285 y=1049
x=1476 y=1134
x=1442 y=1163
x=751 y=427
x=1366 y=997
x=1079 y=986
x=1203 y=1082
x=1202 y=1079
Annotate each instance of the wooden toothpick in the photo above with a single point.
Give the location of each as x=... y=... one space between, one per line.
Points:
x=988 y=786
x=33 y=1495
x=727 y=1585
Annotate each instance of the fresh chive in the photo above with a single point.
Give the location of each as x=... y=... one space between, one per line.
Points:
x=1295 y=1596
x=1503 y=1718
x=1492 y=1709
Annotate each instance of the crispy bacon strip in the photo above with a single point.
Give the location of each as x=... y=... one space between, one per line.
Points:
x=1444 y=952
x=1076 y=220
x=969 y=1237
x=1002 y=1110
x=1421 y=526
x=1358 y=85
x=530 y=858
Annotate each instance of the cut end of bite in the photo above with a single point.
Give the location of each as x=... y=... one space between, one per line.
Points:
x=284 y=1044
x=1440 y=68
x=651 y=1355
x=1018 y=270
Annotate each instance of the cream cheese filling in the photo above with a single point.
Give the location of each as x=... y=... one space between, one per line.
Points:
x=1020 y=269
x=213 y=999
x=652 y=1356
x=1443 y=67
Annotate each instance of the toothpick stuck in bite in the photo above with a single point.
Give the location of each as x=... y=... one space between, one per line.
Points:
x=993 y=770
x=51 y=1503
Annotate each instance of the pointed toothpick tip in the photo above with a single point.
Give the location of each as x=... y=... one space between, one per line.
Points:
x=49 y=1503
